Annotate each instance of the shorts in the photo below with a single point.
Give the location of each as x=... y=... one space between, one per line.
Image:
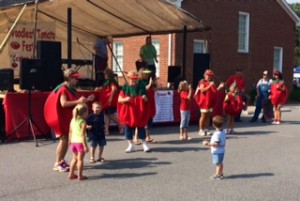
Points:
x=150 y=124
x=95 y=143
x=110 y=110
x=77 y=147
x=129 y=132
x=217 y=159
x=206 y=110
x=185 y=118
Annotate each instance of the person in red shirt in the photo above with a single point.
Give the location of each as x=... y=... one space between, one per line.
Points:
x=185 y=91
x=206 y=97
x=238 y=78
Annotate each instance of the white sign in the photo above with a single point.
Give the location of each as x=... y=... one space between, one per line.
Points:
x=22 y=39
x=164 y=106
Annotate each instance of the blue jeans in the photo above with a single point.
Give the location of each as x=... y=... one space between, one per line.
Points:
x=258 y=107
x=185 y=118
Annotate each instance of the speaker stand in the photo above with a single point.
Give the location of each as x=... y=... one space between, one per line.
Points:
x=30 y=121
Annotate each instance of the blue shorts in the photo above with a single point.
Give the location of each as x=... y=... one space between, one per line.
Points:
x=95 y=143
x=129 y=133
x=110 y=110
x=217 y=159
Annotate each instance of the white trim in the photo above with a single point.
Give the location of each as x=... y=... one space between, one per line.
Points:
x=247 y=37
x=289 y=11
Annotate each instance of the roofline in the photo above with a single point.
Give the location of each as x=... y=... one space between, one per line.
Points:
x=289 y=11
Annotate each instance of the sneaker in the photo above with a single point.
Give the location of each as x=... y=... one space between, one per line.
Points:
x=220 y=177
x=60 y=168
x=208 y=133
x=146 y=148
x=130 y=148
x=275 y=122
x=65 y=164
x=201 y=132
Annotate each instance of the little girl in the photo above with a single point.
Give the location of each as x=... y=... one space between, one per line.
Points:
x=233 y=105
x=77 y=140
x=185 y=92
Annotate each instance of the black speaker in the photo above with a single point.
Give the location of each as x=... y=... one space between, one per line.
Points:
x=7 y=79
x=173 y=73
x=201 y=63
x=32 y=75
x=50 y=53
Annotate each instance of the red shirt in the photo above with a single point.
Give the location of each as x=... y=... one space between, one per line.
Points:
x=185 y=103
x=240 y=82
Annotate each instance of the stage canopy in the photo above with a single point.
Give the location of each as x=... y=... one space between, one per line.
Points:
x=93 y=18
x=118 y=18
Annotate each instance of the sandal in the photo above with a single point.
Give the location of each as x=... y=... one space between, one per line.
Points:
x=137 y=142
x=101 y=160
x=92 y=160
x=151 y=140
x=82 y=178
x=73 y=177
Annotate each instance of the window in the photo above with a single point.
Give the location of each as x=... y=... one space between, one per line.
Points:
x=118 y=52
x=277 y=62
x=200 y=46
x=156 y=44
x=243 y=40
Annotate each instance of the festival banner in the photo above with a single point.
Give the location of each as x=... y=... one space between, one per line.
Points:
x=22 y=39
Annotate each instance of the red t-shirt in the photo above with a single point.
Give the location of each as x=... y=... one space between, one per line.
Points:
x=240 y=82
x=185 y=103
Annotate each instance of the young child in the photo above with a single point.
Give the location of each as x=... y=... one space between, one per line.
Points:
x=232 y=105
x=96 y=134
x=217 y=144
x=77 y=140
x=185 y=91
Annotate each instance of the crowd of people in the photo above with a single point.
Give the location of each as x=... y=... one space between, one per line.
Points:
x=69 y=116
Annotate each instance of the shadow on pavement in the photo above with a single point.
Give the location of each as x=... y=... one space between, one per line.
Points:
x=246 y=176
x=121 y=176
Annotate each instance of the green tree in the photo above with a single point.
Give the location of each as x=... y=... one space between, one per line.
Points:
x=296 y=8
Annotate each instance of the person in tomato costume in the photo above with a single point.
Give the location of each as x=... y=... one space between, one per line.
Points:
x=278 y=95
x=133 y=110
x=205 y=97
x=108 y=97
x=232 y=105
x=58 y=114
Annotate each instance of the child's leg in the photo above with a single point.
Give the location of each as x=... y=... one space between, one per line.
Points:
x=101 y=148
x=181 y=135
x=136 y=137
x=219 y=169
x=73 y=165
x=93 y=150
x=80 y=158
x=231 y=122
x=106 y=125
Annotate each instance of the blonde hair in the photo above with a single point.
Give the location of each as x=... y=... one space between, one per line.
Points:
x=79 y=110
x=182 y=85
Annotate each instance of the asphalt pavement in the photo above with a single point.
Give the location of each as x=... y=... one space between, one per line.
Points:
x=261 y=164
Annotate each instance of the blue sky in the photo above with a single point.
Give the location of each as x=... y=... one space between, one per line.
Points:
x=293 y=1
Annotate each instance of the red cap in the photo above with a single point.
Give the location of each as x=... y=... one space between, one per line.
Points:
x=276 y=72
x=209 y=73
x=74 y=75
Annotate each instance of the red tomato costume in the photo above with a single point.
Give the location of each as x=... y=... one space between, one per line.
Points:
x=278 y=96
x=206 y=100
x=134 y=113
x=57 y=117
x=233 y=104
x=105 y=94
x=185 y=103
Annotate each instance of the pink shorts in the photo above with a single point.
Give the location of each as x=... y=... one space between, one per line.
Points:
x=77 y=147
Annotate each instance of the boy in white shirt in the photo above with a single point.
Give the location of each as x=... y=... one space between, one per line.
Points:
x=217 y=145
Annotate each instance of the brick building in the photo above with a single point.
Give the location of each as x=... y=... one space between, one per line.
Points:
x=254 y=35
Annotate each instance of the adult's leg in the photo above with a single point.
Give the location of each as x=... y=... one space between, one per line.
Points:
x=61 y=149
